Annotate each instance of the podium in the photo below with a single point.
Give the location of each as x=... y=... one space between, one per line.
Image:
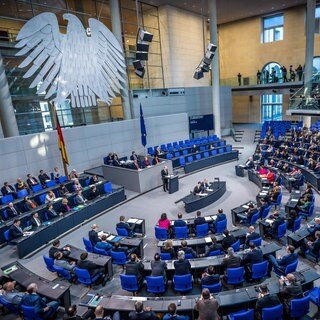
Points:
x=173 y=184
x=239 y=171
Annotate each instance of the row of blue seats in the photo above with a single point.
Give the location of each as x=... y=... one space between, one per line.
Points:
x=183 y=144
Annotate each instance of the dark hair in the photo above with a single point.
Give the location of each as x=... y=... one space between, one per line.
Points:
x=210 y=269
x=251 y=245
x=205 y=293
x=184 y=243
x=56 y=242
x=172 y=309
x=163 y=216
x=198 y=213
x=83 y=255
x=138 y=306
x=122 y=218
x=179 y=215
x=103 y=237
x=16 y=220
x=291 y=249
x=264 y=288
x=156 y=256
x=133 y=257
x=71 y=310
x=117 y=245
x=226 y=232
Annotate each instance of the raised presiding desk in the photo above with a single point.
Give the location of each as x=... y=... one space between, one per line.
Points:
x=229 y=301
x=52 y=290
x=47 y=232
x=195 y=202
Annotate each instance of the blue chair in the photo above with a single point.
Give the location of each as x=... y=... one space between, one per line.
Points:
x=177 y=154
x=88 y=245
x=181 y=232
x=282 y=229
x=122 y=232
x=87 y=181
x=257 y=242
x=242 y=315
x=254 y=218
x=213 y=288
x=9 y=306
x=165 y=256
x=265 y=212
x=150 y=150
x=220 y=150
x=22 y=193
x=84 y=276
x=49 y=263
x=289 y=269
x=228 y=148
x=235 y=276
x=185 y=152
x=36 y=188
x=169 y=156
x=50 y=183
x=129 y=283
x=202 y=230
x=182 y=161
x=236 y=246
x=4 y=214
x=314 y=295
x=214 y=152
x=278 y=202
x=188 y=256
x=274 y=313
x=100 y=251
x=42 y=198
x=296 y=224
x=202 y=148
x=215 y=253
x=63 y=273
x=107 y=187
x=62 y=179
x=118 y=258
x=156 y=284
x=221 y=226
x=190 y=159
x=259 y=270
x=182 y=283
x=6 y=235
x=206 y=154
x=299 y=307
x=308 y=214
x=29 y=313
x=6 y=199
x=198 y=156
x=161 y=233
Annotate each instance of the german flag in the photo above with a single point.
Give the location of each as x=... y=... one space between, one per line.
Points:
x=61 y=143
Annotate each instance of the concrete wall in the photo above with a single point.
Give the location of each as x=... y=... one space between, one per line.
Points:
x=195 y=101
x=86 y=146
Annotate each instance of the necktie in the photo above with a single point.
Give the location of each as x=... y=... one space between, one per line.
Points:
x=37 y=221
x=20 y=229
x=14 y=211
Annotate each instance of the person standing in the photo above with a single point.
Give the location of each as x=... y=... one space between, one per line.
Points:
x=258 y=77
x=239 y=78
x=207 y=306
x=165 y=180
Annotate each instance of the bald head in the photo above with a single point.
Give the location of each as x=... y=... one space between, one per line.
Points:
x=251 y=229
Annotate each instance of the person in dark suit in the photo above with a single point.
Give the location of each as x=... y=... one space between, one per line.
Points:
x=158 y=267
x=92 y=268
x=312 y=246
x=246 y=217
x=277 y=221
x=65 y=207
x=93 y=234
x=199 y=220
x=182 y=266
x=12 y=210
x=265 y=300
x=31 y=180
x=35 y=220
x=252 y=255
x=172 y=313
x=289 y=289
x=7 y=189
x=263 y=206
x=179 y=222
x=51 y=213
x=249 y=164
x=118 y=248
x=56 y=248
x=94 y=193
x=124 y=225
x=133 y=156
x=164 y=177
x=63 y=191
x=43 y=177
x=141 y=314
x=251 y=235
x=44 y=309
x=109 y=159
x=213 y=247
x=291 y=217
x=115 y=161
x=71 y=314
x=15 y=230
x=209 y=277
x=134 y=267
x=228 y=240
x=197 y=189
x=231 y=260
x=93 y=179
x=187 y=250
x=220 y=217
x=79 y=199
x=281 y=262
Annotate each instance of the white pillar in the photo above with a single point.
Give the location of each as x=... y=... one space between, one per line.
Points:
x=7 y=116
x=215 y=67
x=117 y=31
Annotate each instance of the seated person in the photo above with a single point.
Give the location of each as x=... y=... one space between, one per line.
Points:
x=125 y=225
x=146 y=163
x=263 y=206
x=289 y=289
x=93 y=179
x=15 y=229
x=44 y=309
x=7 y=189
x=182 y=266
x=251 y=235
x=50 y=196
x=63 y=191
x=213 y=247
x=199 y=220
x=31 y=180
x=56 y=173
x=220 y=217
x=141 y=313
x=118 y=248
x=168 y=248
x=252 y=255
x=312 y=246
x=59 y=261
x=172 y=313
x=73 y=175
x=249 y=164
x=155 y=160
x=133 y=156
x=109 y=159
x=274 y=192
x=164 y=222
x=197 y=189
x=29 y=204
x=209 y=277
x=12 y=210
x=231 y=260
x=20 y=185
x=51 y=213
x=71 y=314
x=305 y=206
x=246 y=216
x=115 y=161
x=272 y=230
x=228 y=240
x=179 y=222
x=134 y=267
x=76 y=185
x=36 y=220
x=103 y=244
x=11 y=295
x=312 y=228
x=65 y=207
x=43 y=177
x=56 y=248
x=205 y=184
x=265 y=300
x=187 y=250
x=158 y=267
x=93 y=235
x=94 y=193
x=79 y=199
x=270 y=176
x=263 y=171
x=281 y=263
x=291 y=217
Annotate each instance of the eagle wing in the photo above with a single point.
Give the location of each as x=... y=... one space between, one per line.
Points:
x=41 y=39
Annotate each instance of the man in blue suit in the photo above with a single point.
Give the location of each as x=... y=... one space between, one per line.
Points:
x=220 y=217
x=282 y=262
x=44 y=309
x=179 y=222
x=125 y=225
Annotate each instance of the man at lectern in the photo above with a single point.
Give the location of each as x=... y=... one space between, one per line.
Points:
x=164 y=176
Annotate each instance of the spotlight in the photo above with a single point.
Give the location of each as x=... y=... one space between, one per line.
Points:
x=145 y=35
x=212 y=47
x=137 y=64
x=142 y=47
x=141 y=55
x=198 y=74
x=274 y=91
x=206 y=61
x=205 y=67
x=140 y=73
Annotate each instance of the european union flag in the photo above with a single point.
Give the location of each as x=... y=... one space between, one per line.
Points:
x=143 y=128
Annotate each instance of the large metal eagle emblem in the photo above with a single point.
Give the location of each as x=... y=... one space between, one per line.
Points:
x=75 y=65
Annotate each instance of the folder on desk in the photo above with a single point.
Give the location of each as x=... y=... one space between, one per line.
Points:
x=139 y=221
x=111 y=237
x=208 y=218
x=208 y=189
x=132 y=220
x=270 y=221
x=27 y=233
x=245 y=206
x=208 y=239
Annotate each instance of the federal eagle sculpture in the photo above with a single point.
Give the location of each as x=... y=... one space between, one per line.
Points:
x=76 y=65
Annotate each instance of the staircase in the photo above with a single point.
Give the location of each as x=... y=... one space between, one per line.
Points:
x=257 y=136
